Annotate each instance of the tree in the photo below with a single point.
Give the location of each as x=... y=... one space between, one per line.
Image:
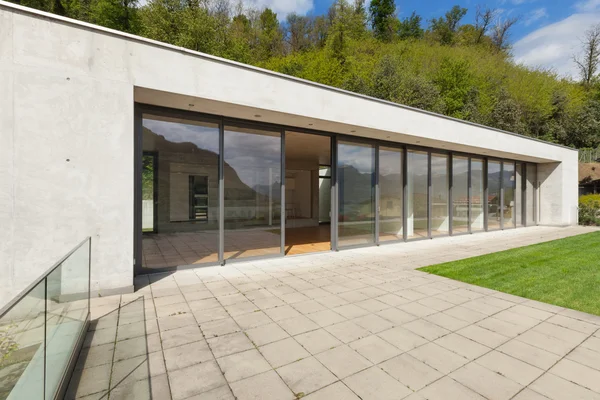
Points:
x=297 y=32
x=345 y=24
x=501 y=32
x=382 y=18
x=455 y=82
x=410 y=27
x=589 y=61
x=507 y=114
x=270 y=37
x=483 y=21
x=115 y=14
x=444 y=28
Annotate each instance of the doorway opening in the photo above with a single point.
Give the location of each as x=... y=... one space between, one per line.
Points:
x=307 y=193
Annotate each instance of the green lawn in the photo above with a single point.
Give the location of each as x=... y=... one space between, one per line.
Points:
x=564 y=272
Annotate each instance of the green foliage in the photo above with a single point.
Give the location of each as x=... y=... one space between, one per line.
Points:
x=410 y=27
x=444 y=28
x=456 y=83
x=589 y=210
x=383 y=18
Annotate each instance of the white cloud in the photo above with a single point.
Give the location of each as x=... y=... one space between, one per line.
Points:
x=282 y=7
x=588 y=5
x=553 y=45
x=535 y=16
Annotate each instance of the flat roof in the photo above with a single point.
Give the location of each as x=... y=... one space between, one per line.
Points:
x=124 y=35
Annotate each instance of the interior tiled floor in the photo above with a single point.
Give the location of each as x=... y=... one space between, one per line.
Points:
x=356 y=324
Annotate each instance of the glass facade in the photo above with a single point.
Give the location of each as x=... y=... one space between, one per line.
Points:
x=391 y=187
x=252 y=186
x=460 y=194
x=212 y=190
x=440 y=220
x=417 y=193
x=494 y=184
x=356 y=180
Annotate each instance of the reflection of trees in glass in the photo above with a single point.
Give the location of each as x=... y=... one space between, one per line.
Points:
x=148 y=177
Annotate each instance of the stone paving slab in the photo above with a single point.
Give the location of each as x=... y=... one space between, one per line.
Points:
x=356 y=324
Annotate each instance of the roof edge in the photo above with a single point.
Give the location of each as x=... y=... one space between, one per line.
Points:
x=26 y=10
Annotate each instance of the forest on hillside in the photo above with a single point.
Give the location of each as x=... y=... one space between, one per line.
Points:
x=441 y=65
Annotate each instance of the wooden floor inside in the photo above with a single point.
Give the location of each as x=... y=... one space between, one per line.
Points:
x=309 y=239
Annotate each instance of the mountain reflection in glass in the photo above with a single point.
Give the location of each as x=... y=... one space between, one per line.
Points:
x=477 y=195
x=508 y=206
x=252 y=184
x=460 y=194
x=494 y=209
x=356 y=180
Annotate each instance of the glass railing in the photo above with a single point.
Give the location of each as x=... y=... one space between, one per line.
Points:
x=42 y=329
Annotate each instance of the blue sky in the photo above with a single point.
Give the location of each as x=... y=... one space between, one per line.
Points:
x=548 y=32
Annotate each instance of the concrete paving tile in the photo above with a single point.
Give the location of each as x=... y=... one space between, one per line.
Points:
x=446 y=321
x=297 y=325
x=574 y=324
x=561 y=333
x=95 y=356
x=417 y=309
x=175 y=321
x=181 y=336
x=528 y=394
x=485 y=382
x=347 y=331
x=530 y=354
x=547 y=342
x=372 y=305
x=243 y=365
x=185 y=382
x=403 y=339
x=100 y=337
x=350 y=311
x=411 y=372
x=373 y=323
x=219 y=327
x=580 y=374
x=241 y=308
x=308 y=306
x=343 y=361
x=462 y=346
x=557 y=388
x=374 y=384
x=426 y=329
x=374 y=349
x=154 y=388
x=536 y=313
x=283 y=352
x=186 y=355
x=317 y=341
x=252 y=320
x=501 y=327
x=587 y=357
x=306 y=376
x=447 y=388
x=337 y=391
x=220 y=393
x=465 y=314
x=89 y=381
x=510 y=367
x=229 y=344
x=396 y=316
x=265 y=386
x=210 y=314
x=438 y=357
x=483 y=336
x=592 y=343
x=265 y=334
x=325 y=318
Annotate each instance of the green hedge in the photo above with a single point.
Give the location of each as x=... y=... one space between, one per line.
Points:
x=589 y=209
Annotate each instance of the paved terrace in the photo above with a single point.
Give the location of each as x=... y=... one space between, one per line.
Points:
x=357 y=324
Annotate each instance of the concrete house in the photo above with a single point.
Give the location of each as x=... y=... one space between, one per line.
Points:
x=170 y=158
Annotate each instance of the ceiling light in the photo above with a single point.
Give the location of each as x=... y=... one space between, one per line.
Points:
x=257 y=115
x=352 y=131
x=191 y=105
x=310 y=124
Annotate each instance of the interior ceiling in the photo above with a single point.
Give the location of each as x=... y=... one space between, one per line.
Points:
x=207 y=106
x=301 y=146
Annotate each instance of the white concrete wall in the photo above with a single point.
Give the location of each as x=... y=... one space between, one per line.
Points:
x=66 y=135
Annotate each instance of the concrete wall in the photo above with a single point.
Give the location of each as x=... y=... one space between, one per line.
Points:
x=66 y=135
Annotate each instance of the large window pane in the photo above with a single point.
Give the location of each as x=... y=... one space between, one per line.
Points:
x=356 y=172
x=252 y=184
x=460 y=194
x=416 y=224
x=494 y=211
x=440 y=221
x=390 y=194
x=477 y=195
x=519 y=195
x=530 y=194
x=508 y=182
x=181 y=157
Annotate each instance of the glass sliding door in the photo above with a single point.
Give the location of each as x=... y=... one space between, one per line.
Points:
x=180 y=191
x=494 y=184
x=519 y=203
x=252 y=186
x=417 y=195
x=356 y=181
x=390 y=194
x=460 y=194
x=530 y=194
x=477 y=202
x=508 y=199
x=440 y=220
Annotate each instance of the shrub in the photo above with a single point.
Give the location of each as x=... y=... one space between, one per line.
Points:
x=589 y=209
